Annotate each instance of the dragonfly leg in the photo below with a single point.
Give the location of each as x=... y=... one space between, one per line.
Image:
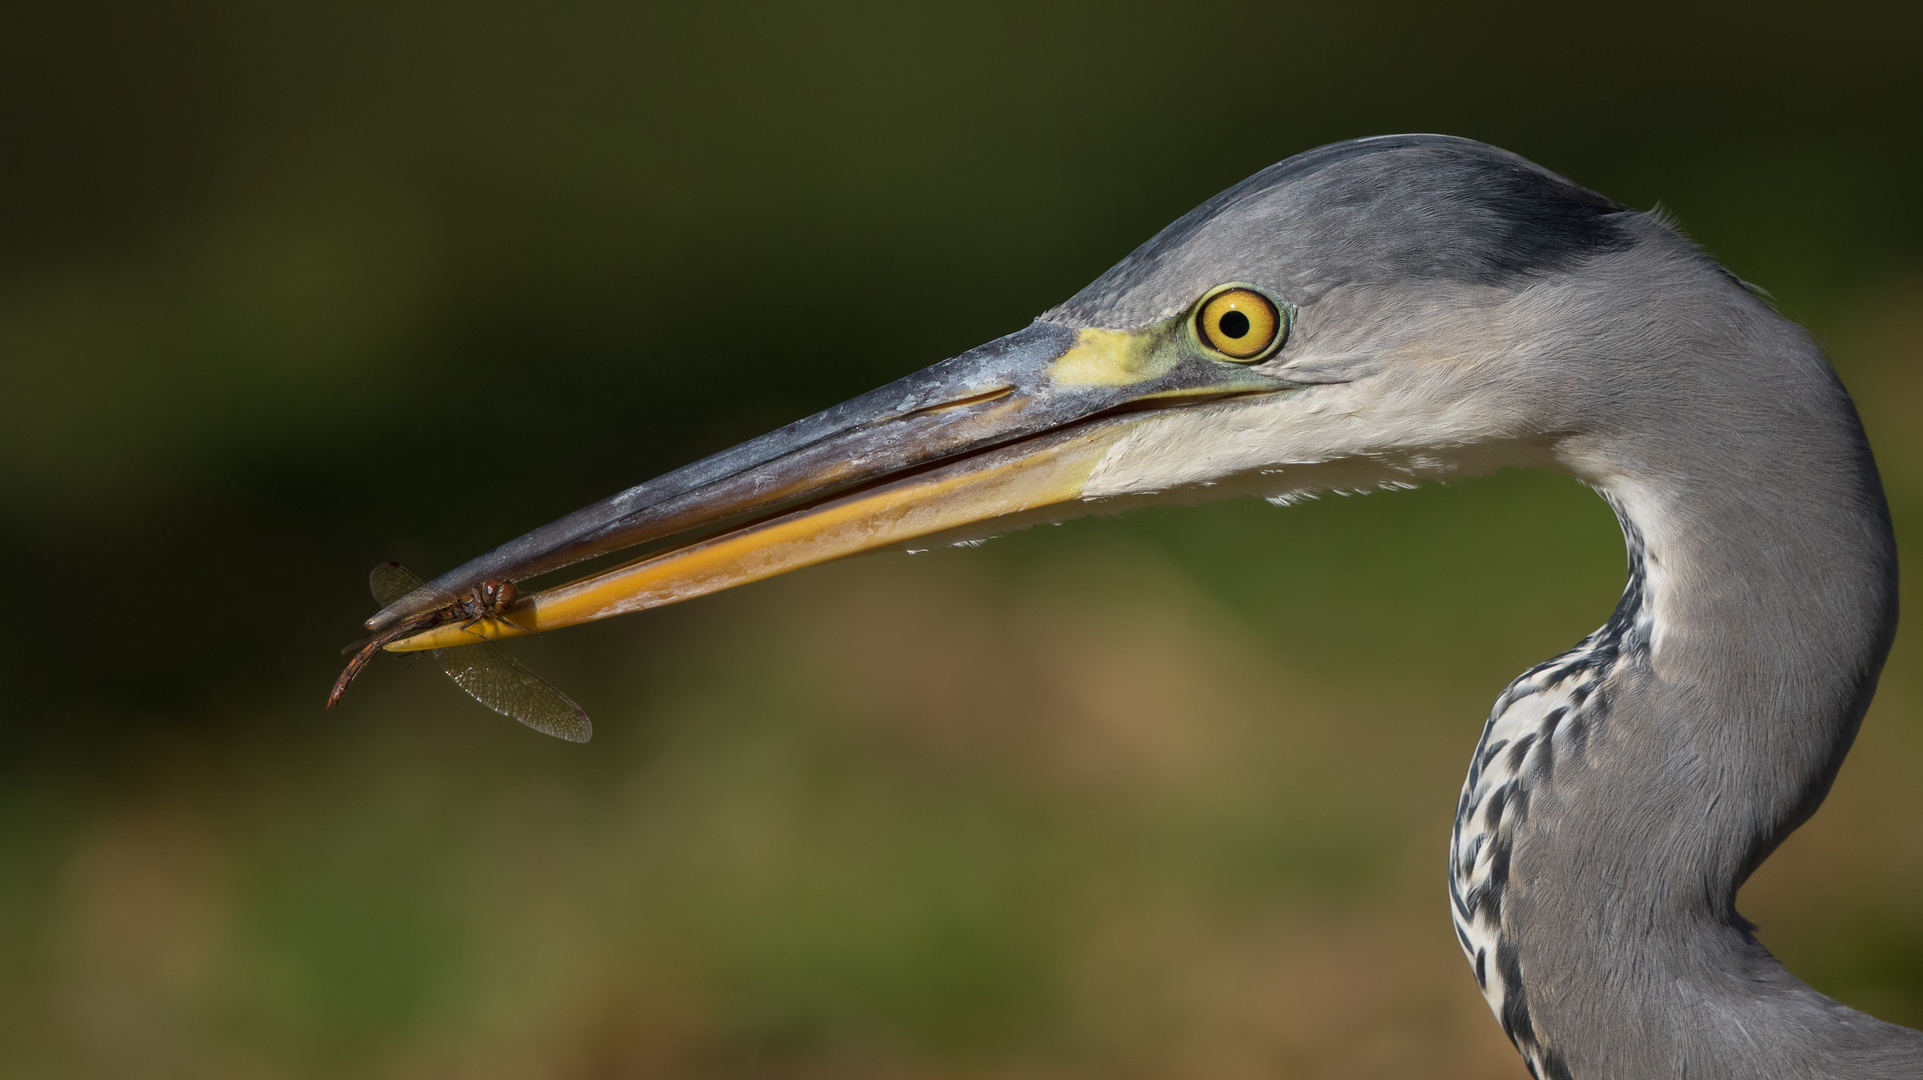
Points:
x=496 y=618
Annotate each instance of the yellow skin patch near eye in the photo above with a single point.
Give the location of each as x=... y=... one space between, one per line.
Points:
x=1239 y=323
x=1109 y=358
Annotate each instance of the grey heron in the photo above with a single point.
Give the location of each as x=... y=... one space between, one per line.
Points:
x=1372 y=314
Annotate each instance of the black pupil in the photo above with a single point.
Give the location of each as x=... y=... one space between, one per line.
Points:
x=1234 y=325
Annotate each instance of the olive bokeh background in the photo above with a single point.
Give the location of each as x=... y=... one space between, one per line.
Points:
x=288 y=290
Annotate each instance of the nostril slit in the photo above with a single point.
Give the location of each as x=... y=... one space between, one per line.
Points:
x=982 y=398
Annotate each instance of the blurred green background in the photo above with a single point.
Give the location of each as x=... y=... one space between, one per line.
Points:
x=287 y=290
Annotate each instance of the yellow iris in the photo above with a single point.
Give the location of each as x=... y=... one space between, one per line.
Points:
x=1240 y=324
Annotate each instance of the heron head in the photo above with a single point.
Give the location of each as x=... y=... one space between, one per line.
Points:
x=1366 y=314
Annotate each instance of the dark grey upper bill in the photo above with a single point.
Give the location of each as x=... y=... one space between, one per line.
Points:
x=897 y=427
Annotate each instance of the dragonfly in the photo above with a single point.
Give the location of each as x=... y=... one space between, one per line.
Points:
x=488 y=672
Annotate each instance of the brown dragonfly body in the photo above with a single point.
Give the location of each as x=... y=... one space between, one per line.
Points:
x=483 y=669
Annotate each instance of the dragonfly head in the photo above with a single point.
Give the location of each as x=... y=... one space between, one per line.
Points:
x=496 y=593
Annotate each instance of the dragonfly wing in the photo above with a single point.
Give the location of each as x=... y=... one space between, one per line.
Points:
x=492 y=676
x=390 y=581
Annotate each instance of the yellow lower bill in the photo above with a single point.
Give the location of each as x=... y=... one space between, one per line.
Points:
x=1038 y=473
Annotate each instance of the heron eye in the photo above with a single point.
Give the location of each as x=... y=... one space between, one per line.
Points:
x=1241 y=324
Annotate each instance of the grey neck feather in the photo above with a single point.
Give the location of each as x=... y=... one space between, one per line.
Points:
x=1700 y=727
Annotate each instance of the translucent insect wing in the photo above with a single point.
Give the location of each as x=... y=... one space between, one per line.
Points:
x=491 y=676
x=390 y=581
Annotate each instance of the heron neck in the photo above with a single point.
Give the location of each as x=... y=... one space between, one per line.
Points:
x=1720 y=702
